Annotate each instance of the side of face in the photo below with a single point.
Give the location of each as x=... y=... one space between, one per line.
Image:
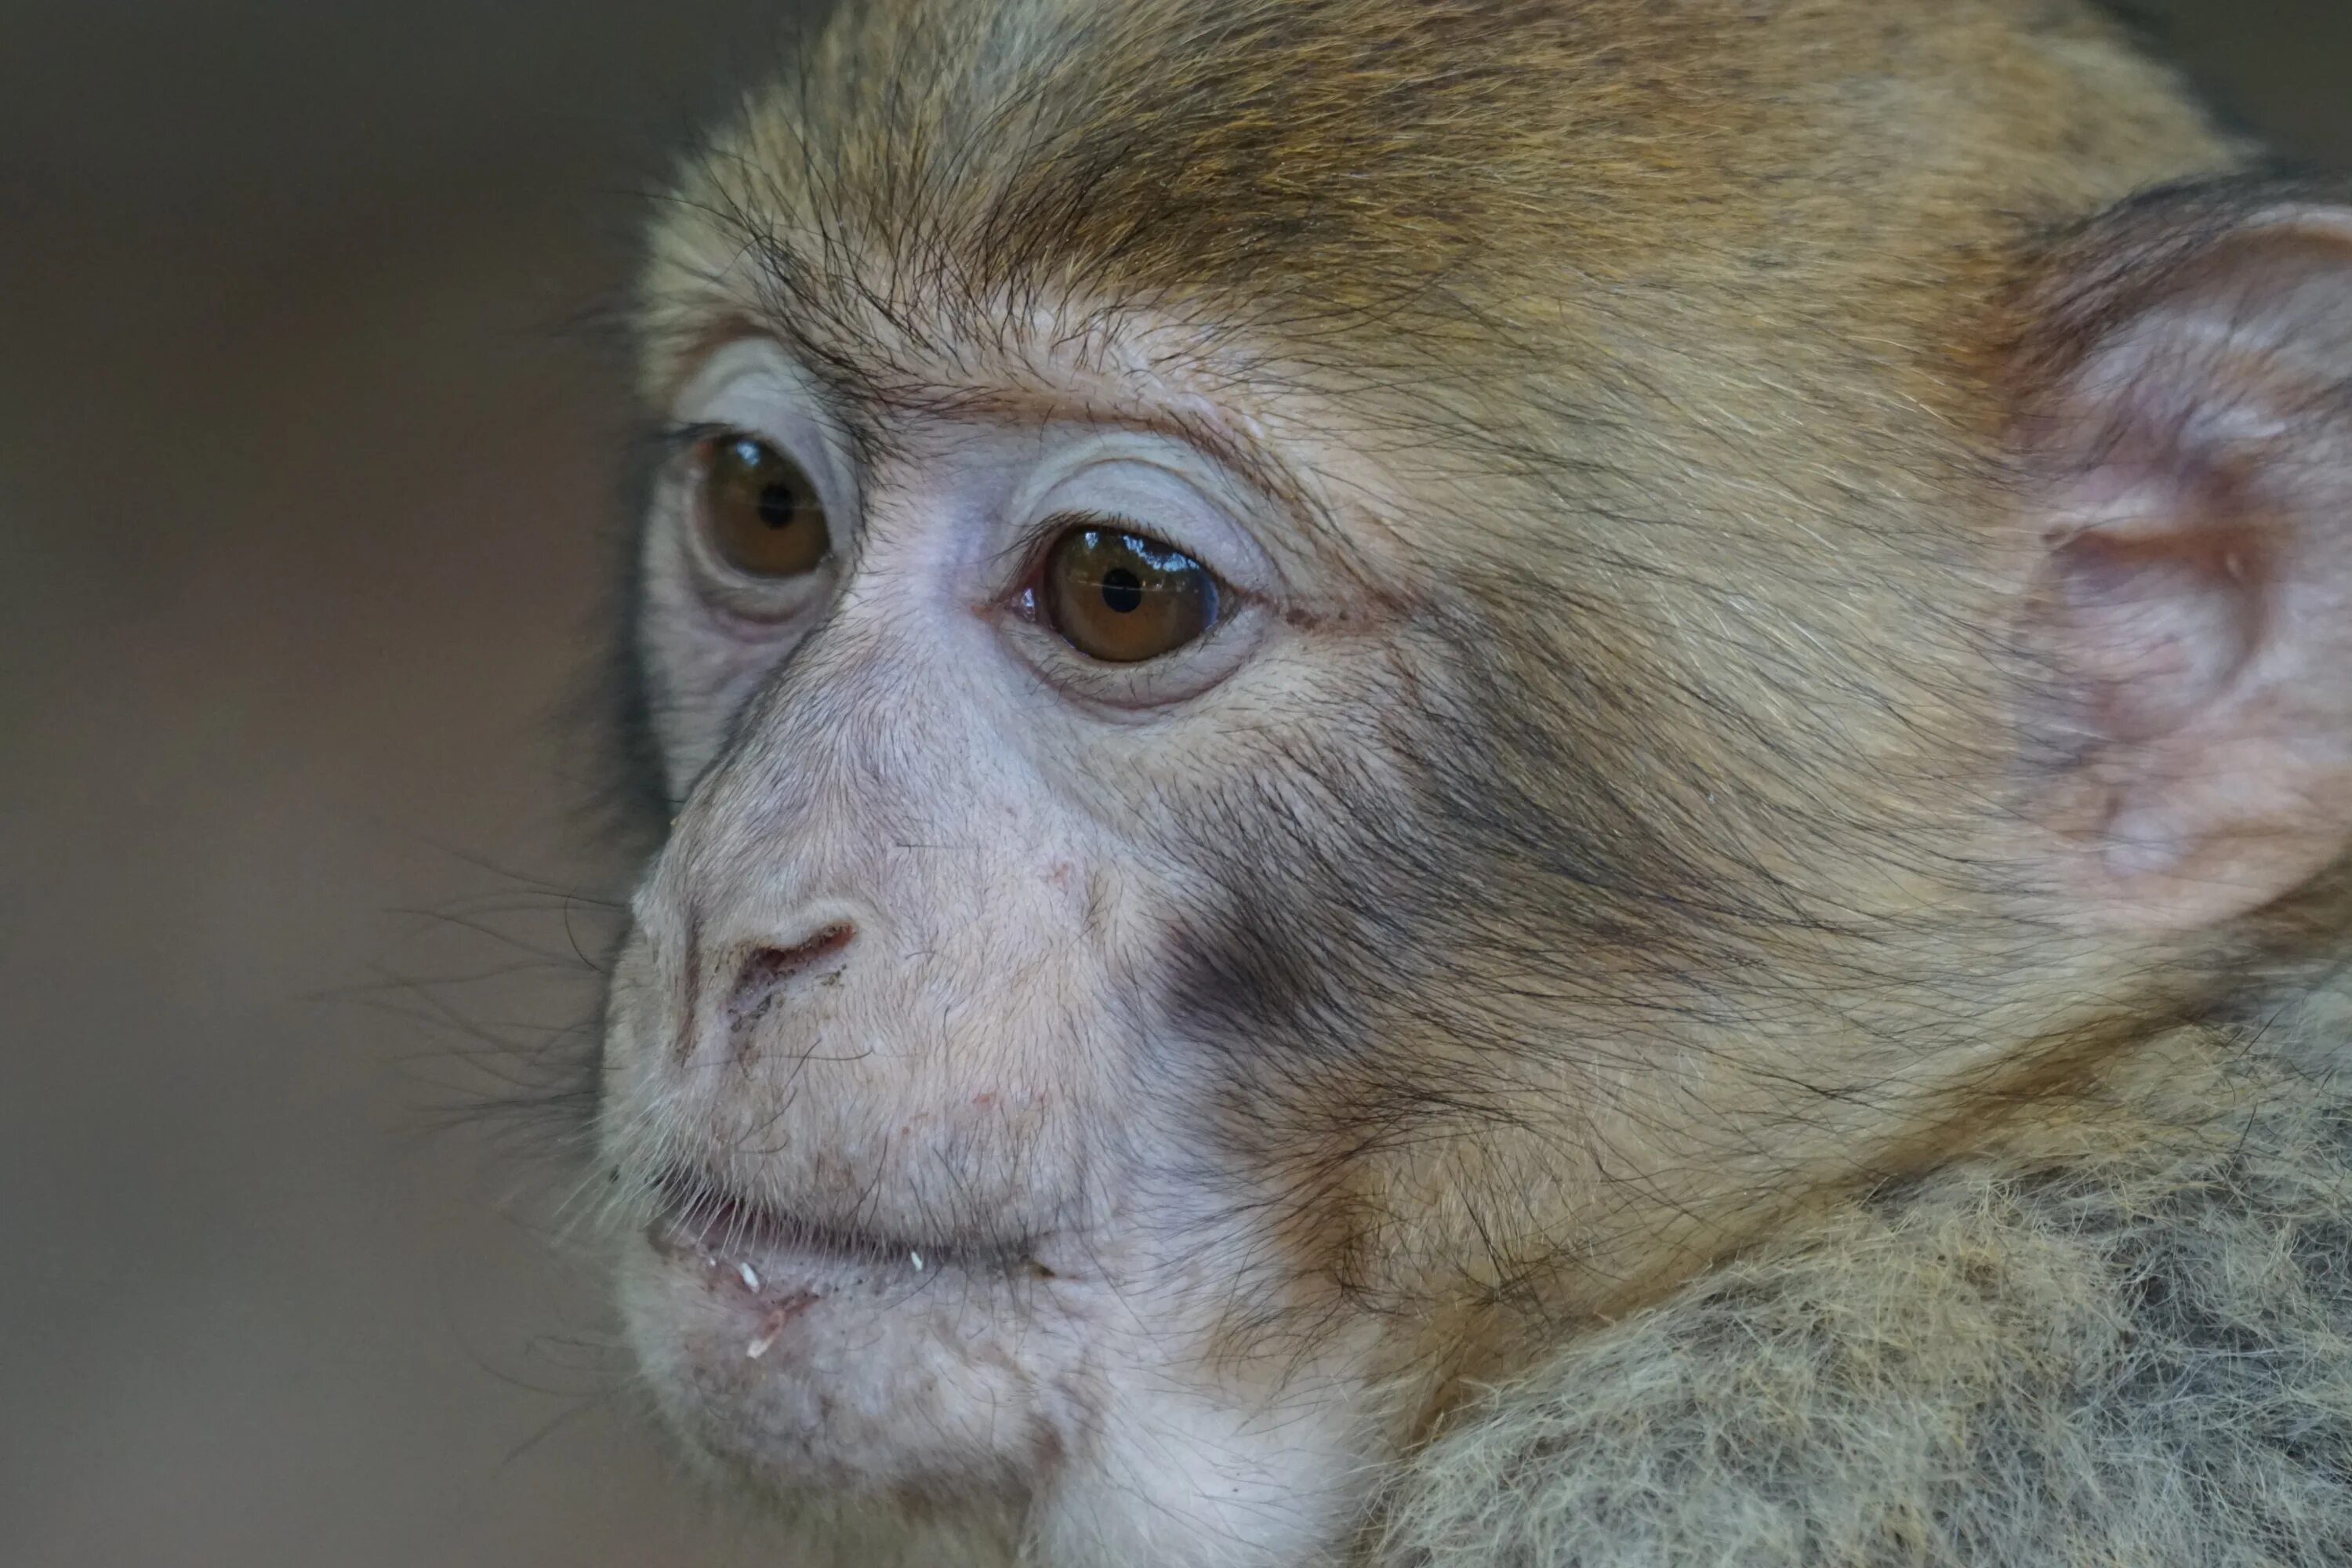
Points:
x=942 y=1032
x=1268 y=812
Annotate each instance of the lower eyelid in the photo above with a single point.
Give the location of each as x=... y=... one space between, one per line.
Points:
x=725 y=604
x=750 y=630
x=1102 y=685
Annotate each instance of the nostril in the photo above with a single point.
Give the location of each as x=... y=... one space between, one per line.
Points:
x=770 y=971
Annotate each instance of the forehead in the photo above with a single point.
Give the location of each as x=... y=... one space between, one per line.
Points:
x=1507 y=215
x=930 y=179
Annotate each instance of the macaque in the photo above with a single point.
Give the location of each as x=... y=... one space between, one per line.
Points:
x=1528 y=782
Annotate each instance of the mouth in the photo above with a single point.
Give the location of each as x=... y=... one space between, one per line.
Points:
x=814 y=1359
x=782 y=1264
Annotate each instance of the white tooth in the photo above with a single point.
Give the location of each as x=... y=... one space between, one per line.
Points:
x=750 y=1275
x=759 y=1347
x=918 y=1261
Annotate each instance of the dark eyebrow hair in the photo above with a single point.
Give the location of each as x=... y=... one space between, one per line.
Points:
x=822 y=313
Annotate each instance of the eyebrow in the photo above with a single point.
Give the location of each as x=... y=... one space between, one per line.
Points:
x=794 y=307
x=854 y=380
x=1258 y=464
x=858 y=376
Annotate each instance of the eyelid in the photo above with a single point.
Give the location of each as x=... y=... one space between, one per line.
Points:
x=1165 y=501
x=678 y=440
x=1137 y=692
x=752 y=387
x=1131 y=692
x=1033 y=546
x=753 y=608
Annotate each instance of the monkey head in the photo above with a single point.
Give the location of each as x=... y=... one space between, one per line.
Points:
x=1344 y=683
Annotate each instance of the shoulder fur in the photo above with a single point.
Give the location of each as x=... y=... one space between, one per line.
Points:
x=2134 y=1350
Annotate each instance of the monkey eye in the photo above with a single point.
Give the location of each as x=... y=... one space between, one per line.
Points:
x=1125 y=597
x=759 y=510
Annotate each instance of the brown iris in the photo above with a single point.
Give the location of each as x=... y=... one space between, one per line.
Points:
x=762 y=514
x=1123 y=598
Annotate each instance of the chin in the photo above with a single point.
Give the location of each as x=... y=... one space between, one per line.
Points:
x=907 y=1403
x=835 y=1368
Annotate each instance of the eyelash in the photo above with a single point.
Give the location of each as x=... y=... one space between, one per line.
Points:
x=674 y=441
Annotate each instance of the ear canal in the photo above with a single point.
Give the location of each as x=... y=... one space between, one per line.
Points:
x=2193 y=486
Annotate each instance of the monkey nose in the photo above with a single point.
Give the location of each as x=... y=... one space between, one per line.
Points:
x=770 y=973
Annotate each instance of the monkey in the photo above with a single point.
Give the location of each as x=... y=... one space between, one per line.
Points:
x=1540 y=782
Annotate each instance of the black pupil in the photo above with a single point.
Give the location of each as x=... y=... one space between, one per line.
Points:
x=777 y=508
x=1122 y=590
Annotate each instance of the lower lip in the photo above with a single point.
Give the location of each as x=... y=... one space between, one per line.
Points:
x=773 y=1271
x=772 y=1286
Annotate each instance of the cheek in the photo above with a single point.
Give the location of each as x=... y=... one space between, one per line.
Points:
x=701 y=670
x=1336 y=990
x=998 y=1076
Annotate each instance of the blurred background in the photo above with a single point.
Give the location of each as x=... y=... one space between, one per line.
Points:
x=310 y=451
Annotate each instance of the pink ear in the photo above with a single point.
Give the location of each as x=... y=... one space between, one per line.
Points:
x=2197 y=499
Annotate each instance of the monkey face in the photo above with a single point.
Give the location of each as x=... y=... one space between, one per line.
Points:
x=1173 y=929
x=970 y=715
x=1153 y=968
x=1213 y=882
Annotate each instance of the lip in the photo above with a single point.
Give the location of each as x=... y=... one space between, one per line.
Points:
x=702 y=1222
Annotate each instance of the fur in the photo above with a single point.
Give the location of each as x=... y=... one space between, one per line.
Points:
x=2137 y=1350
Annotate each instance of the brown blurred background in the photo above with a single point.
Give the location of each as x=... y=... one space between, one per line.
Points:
x=309 y=455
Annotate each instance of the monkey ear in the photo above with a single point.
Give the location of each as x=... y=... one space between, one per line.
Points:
x=2193 y=463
